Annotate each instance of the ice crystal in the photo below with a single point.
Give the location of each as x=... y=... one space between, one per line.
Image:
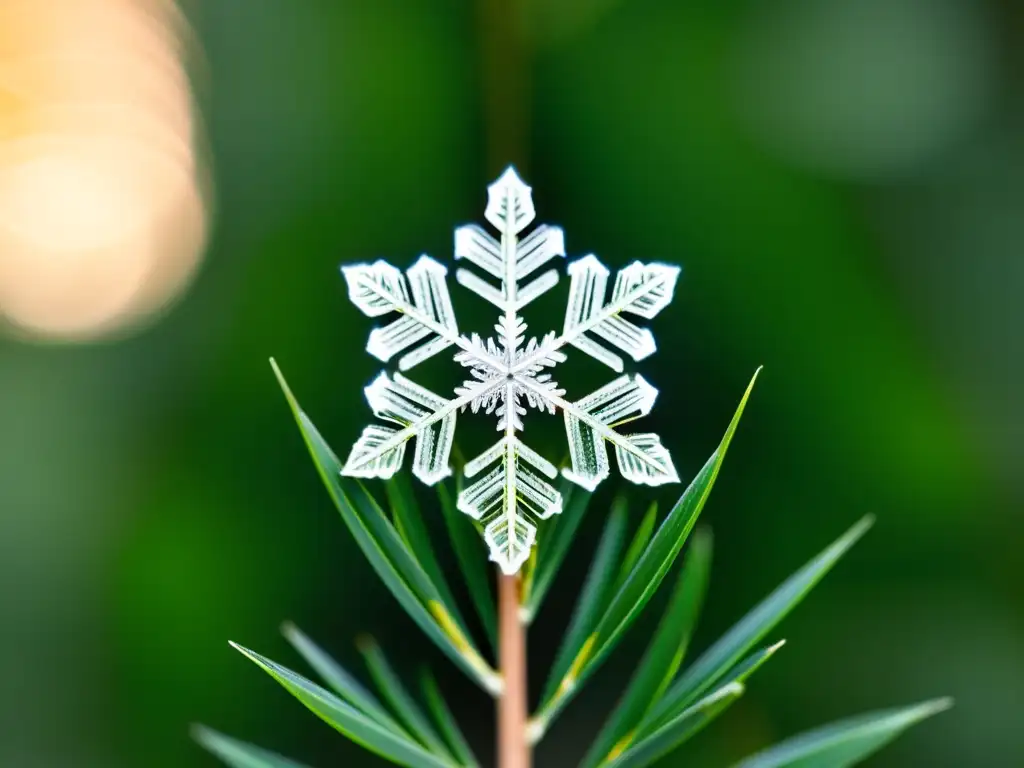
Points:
x=508 y=373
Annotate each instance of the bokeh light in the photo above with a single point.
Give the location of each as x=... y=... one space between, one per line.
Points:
x=103 y=205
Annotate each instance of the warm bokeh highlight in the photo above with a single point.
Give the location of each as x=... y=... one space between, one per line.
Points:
x=103 y=210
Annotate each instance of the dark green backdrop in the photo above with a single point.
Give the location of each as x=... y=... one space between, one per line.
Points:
x=843 y=183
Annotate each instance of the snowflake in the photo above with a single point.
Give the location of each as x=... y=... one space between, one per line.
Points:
x=507 y=373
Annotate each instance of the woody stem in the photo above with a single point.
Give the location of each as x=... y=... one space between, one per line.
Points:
x=504 y=84
x=513 y=745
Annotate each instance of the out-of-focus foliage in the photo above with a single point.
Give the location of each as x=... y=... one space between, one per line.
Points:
x=853 y=223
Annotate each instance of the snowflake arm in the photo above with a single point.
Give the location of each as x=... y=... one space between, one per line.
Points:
x=429 y=418
x=591 y=422
x=379 y=289
x=510 y=210
x=512 y=496
x=640 y=289
x=509 y=498
x=424 y=304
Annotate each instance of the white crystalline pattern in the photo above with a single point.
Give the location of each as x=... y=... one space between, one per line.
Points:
x=507 y=373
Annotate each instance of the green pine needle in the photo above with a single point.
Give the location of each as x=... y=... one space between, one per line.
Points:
x=401 y=701
x=340 y=681
x=665 y=654
x=446 y=721
x=552 y=547
x=238 y=754
x=642 y=582
x=846 y=742
x=465 y=540
x=348 y=720
x=592 y=602
x=389 y=556
x=727 y=651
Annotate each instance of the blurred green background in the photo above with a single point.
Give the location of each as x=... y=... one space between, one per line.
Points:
x=843 y=183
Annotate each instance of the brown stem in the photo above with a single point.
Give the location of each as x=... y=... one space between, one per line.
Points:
x=505 y=82
x=505 y=78
x=513 y=746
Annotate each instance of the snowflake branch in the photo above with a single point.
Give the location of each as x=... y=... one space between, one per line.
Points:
x=609 y=434
x=444 y=332
x=607 y=312
x=417 y=427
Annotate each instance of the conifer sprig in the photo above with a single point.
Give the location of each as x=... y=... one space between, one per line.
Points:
x=666 y=702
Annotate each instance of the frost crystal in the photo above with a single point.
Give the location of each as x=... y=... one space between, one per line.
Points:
x=507 y=373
